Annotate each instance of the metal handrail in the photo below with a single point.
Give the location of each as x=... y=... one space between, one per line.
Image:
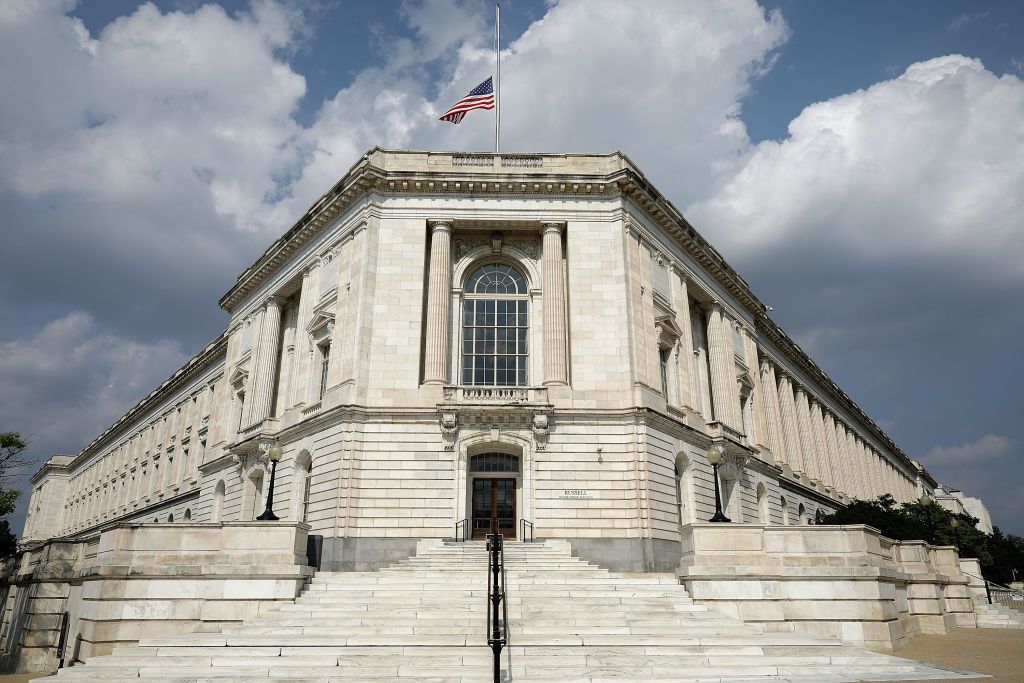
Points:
x=1002 y=591
x=497 y=629
x=62 y=643
x=464 y=525
x=525 y=524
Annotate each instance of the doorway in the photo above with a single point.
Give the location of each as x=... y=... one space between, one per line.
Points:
x=494 y=498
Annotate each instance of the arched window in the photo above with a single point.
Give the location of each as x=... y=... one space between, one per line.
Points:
x=170 y=517
x=495 y=327
x=801 y=513
x=218 y=502
x=785 y=511
x=188 y=514
x=684 y=488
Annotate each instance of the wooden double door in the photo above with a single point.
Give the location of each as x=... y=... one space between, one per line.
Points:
x=494 y=498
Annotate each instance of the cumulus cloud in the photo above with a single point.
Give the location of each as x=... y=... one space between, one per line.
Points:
x=70 y=380
x=987 y=448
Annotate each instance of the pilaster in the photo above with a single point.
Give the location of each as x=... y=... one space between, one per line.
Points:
x=555 y=337
x=439 y=285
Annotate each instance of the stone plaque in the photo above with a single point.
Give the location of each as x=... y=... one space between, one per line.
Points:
x=577 y=494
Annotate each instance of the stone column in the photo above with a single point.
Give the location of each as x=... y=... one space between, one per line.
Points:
x=772 y=414
x=791 y=425
x=555 y=368
x=836 y=464
x=684 y=349
x=820 y=444
x=849 y=473
x=724 y=393
x=807 y=446
x=262 y=389
x=439 y=285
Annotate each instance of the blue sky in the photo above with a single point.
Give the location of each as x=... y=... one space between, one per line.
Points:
x=859 y=163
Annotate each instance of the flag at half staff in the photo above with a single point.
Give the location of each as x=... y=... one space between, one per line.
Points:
x=480 y=97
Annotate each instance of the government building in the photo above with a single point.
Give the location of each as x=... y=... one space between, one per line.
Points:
x=447 y=338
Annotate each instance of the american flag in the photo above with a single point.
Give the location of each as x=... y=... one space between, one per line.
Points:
x=480 y=97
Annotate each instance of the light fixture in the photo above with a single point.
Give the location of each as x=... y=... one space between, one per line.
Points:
x=274 y=455
x=715 y=458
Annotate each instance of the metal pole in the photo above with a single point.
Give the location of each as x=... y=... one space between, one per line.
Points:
x=268 y=514
x=497 y=80
x=719 y=516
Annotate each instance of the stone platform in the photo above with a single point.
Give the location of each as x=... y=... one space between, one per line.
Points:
x=424 y=619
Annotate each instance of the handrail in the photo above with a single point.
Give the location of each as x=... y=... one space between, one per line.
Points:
x=1001 y=590
x=497 y=629
x=523 y=525
x=62 y=643
x=464 y=525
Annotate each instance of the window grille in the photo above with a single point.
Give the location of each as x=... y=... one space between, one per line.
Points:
x=495 y=327
x=493 y=462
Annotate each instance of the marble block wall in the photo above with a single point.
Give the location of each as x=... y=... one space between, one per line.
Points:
x=844 y=581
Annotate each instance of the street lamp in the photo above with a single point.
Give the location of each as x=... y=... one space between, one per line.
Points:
x=955 y=523
x=715 y=458
x=274 y=454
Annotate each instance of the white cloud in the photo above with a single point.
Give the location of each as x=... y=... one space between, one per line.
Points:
x=965 y=20
x=662 y=81
x=926 y=167
x=987 y=448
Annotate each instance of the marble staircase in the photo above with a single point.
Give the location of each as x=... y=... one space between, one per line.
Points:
x=424 y=619
x=997 y=616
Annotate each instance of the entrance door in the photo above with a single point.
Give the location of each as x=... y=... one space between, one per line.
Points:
x=494 y=498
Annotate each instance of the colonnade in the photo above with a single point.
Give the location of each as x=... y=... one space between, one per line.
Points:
x=808 y=437
x=157 y=460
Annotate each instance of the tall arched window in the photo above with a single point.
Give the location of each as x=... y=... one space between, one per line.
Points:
x=303 y=482
x=218 y=502
x=495 y=327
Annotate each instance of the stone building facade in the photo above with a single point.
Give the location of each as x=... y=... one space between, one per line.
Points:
x=447 y=337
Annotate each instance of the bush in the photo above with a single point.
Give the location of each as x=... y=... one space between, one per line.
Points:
x=1000 y=554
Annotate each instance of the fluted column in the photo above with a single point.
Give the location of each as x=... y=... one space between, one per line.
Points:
x=555 y=370
x=724 y=393
x=849 y=473
x=807 y=445
x=773 y=415
x=262 y=388
x=435 y=362
x=820 y=447
x=791 y=425
x=836 y=463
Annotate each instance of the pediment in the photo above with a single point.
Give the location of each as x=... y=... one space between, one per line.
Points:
x=238 y=376
x=666 y=325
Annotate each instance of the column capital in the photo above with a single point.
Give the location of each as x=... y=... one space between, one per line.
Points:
x=551 y=226
x=274 y=301
x=440 y=224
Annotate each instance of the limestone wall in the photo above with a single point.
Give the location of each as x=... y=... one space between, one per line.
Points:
x=140 y=580
x=844 y=581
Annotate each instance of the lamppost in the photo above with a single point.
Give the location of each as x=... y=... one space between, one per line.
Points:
x=926 y=501
x=274 y=454
x=715 y=458
x=955 y=523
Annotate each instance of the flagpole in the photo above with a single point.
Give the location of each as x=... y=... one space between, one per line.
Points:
x=497 y=82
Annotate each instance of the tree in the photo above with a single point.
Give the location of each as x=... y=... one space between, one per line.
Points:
x=12 y=458
x=1000 y=555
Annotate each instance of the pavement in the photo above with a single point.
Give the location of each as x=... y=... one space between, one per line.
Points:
x=996 y=652
x=993 y=651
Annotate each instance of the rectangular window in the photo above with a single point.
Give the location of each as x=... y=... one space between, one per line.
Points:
x=494 y=342
x=663 y=355
x=325 y=357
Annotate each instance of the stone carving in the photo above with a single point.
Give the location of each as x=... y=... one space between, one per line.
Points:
x=528 y=246
x=449 y=428
x=541 y=430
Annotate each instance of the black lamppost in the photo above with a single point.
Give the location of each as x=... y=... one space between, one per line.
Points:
x=274 y=454
x=715 y=458
x=955 y=523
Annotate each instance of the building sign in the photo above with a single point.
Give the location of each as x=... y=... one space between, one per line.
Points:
x=577 y=494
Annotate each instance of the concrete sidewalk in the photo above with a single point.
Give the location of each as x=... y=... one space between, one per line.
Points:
x=996 y=652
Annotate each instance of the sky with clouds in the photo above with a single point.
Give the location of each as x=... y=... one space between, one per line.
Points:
x=862 y=164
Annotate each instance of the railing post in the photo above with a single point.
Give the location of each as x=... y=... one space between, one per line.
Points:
x=497 y=635
x=988 y=591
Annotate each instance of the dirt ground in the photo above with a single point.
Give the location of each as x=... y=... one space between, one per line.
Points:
x=996 y=652
x=993 y=651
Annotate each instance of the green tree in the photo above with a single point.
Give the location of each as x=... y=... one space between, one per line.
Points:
x=1000 y=555
x=12 y=458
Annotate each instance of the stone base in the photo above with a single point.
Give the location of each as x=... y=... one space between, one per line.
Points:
x=628 y=554
x=364 y=554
